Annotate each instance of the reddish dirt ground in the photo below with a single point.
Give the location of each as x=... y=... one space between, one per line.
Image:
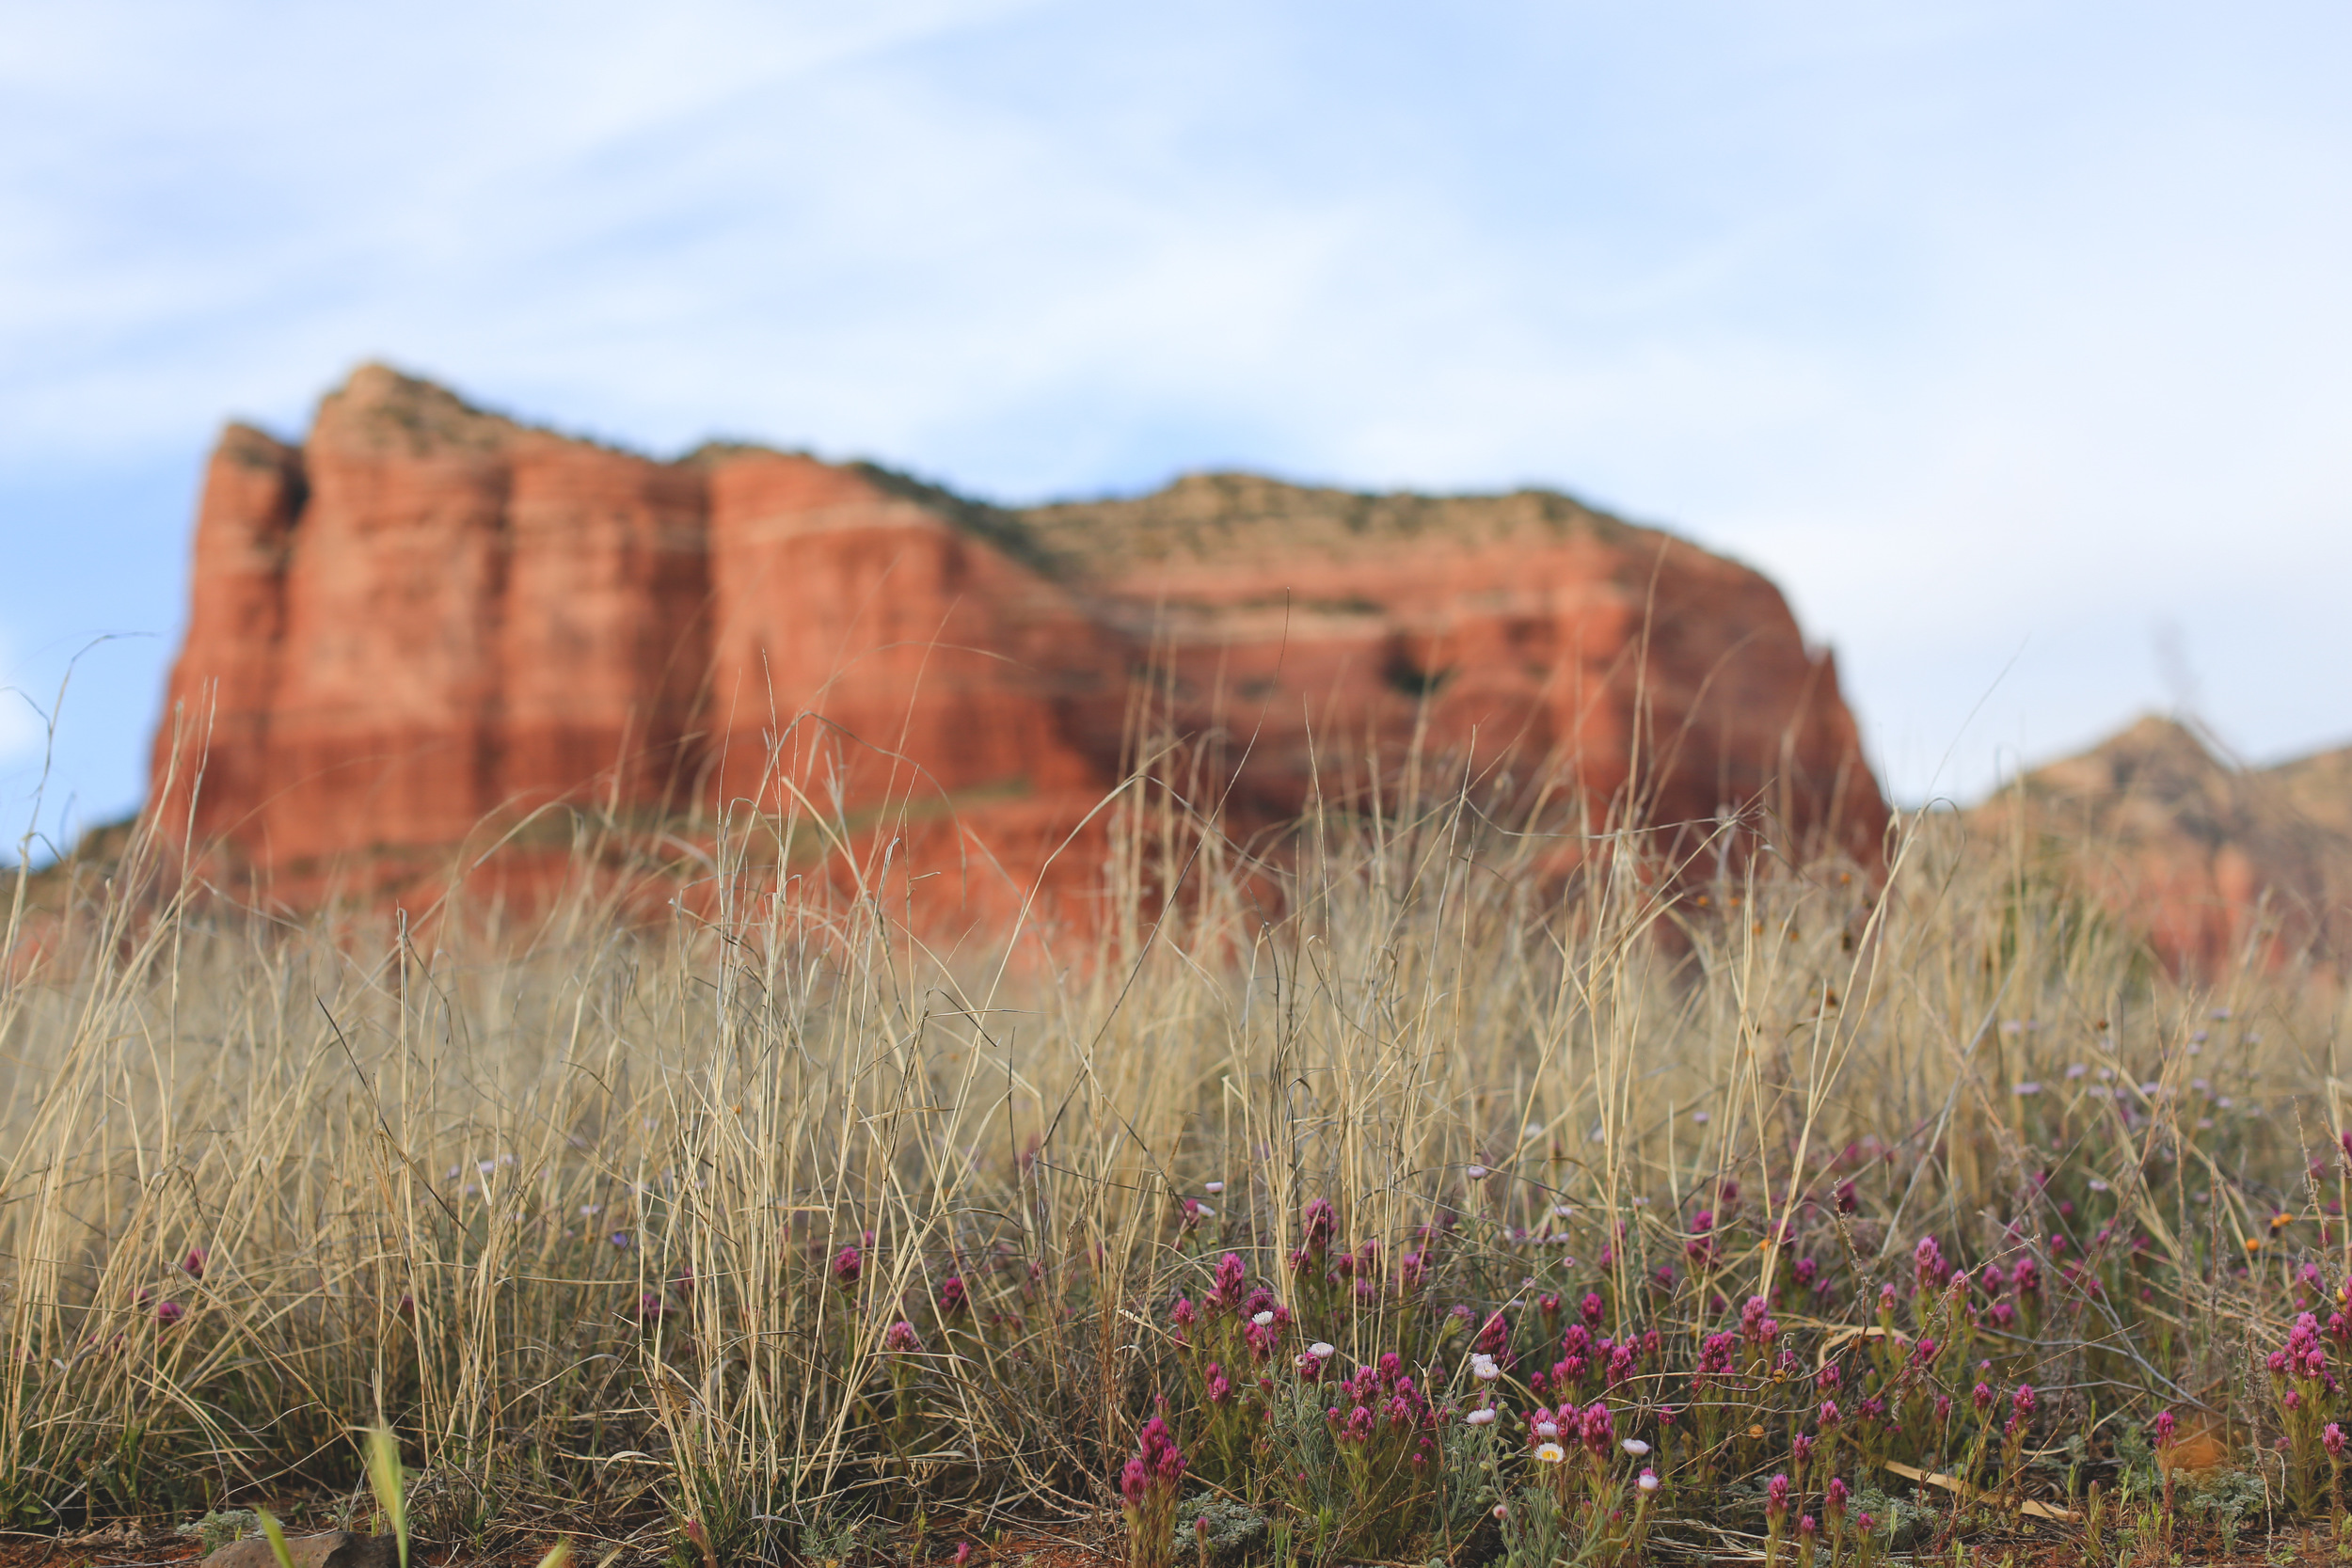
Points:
x=140 y=1546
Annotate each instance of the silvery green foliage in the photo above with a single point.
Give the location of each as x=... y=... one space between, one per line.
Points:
x=1235 y=1529
x=221 y=1526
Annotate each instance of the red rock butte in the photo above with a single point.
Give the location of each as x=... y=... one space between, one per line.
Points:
x=427 y=621
x=2213 y=865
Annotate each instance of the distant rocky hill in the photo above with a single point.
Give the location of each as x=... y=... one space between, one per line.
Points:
x=2212 y=862
x=424 y=620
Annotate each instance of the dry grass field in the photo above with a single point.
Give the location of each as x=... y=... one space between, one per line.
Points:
x=1422 y=1211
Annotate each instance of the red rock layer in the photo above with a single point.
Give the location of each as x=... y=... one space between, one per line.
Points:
x=1678 y=694
x=1564 y=664
x=428 y=621
x=867 y=650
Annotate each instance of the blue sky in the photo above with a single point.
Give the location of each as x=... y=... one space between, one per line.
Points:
x=2012 y=340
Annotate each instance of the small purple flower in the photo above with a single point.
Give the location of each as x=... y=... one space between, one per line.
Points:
x=194 y=1262
x=1159 y=1464
x=620 y=1239
x=901 y=1338
x=1225 y=1286
x=847 y=1265
x=1599 y=1429
x=169 y=1312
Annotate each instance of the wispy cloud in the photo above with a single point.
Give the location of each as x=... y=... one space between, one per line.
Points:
x=1997 y=334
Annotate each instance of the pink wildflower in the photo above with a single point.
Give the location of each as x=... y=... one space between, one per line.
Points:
x=1599 y=1429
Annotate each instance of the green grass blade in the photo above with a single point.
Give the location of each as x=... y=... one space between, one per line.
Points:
x=277 y=1538
x=383 y=1458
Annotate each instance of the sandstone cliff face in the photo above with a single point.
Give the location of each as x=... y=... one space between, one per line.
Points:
x=427 y=620
x=2212 y=864
x=1549 y=650
x=219 y=702
x=868 y=650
